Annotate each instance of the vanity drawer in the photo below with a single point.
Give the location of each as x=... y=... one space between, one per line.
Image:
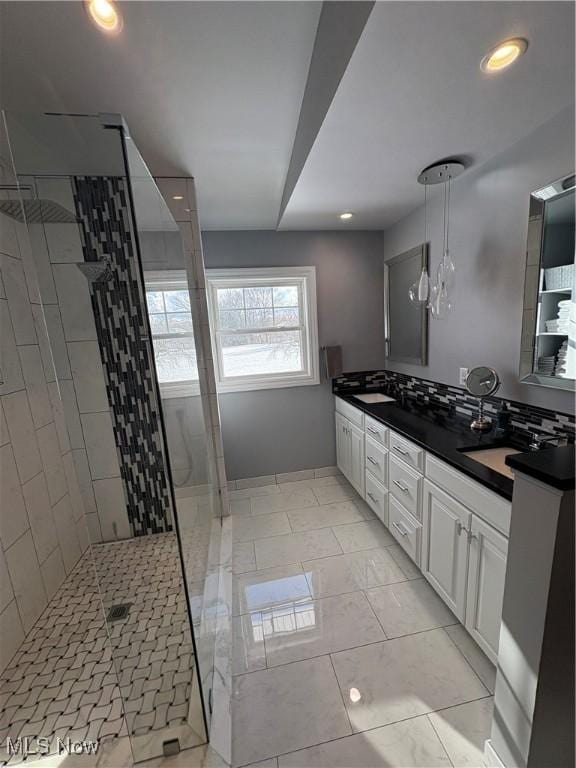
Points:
x=376 y=431
x=407 y=451
x=406 y=485
x=377 y=497
x=485 y=503
x=406 y=530
x=376 y=460
x=352 y=414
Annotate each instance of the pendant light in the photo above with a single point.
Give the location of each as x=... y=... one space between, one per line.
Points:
x=440 y=293
x=419 y=291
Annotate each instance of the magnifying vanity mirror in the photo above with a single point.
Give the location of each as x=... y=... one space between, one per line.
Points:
x=482 y=382
x=548 y=347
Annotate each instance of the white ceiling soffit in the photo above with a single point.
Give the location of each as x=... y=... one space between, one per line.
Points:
x=414 y=93
x=209 y=89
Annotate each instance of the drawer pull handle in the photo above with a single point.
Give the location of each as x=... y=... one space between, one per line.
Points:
x=372 y=460
x=401 y=451
x=371 y=496
x=403 y=488
x=374 y=431
x=401 y=530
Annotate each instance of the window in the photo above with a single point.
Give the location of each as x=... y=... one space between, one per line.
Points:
x=168 y=303
x=263 y=325
x=264 y=328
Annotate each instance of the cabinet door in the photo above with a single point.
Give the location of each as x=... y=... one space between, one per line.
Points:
x=444 y=559
x=343 y=445
x=486 y=576
x=357 y=469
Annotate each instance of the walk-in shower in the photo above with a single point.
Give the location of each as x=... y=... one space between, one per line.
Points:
x=110 y=613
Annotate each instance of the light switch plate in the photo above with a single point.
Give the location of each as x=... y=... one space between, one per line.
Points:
x=463 y=375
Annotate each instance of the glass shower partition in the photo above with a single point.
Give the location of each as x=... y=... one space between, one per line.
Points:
x=89 y=204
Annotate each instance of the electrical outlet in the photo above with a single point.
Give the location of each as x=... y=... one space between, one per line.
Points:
x=463 y=375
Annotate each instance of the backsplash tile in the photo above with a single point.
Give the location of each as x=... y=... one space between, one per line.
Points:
x=523 y=418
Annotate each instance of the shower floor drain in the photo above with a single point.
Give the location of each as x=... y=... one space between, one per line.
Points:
x=119 y=612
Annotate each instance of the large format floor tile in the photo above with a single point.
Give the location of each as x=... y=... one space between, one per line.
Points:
x=310 y=628
x=247 y=643
x=296 y=547
x=463 y=730
x=243 y=557
x=409 y=744
x=329 y=494
x=397 y=679
x=366 y=535
x=351 y=572
x=271 y=587
x=286 y=708
x=474 y=655
x=317 y=482
x=245 y=528
x=324 y=516
x=406 y=563
x=280 y=502
x=409 y=607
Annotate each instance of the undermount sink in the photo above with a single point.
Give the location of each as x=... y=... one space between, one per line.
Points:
x=494 y=458
x=374 y=397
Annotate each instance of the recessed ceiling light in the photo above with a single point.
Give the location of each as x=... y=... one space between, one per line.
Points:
x=178 y=197
x=104 y=14
x=504 y=54
x=346 y=215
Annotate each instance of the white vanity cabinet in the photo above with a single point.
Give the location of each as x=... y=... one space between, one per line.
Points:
x=350 y=450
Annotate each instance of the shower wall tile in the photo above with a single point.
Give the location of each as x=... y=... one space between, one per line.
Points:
x=12 y=377
x=63 y=241
x=53 y=573
x=93 y=526
x=75 y=303
x=31 y=362
x=100 y=445
x=82 y=534
x=6 y=591
x=36 y=245
x=84 y=480
x=39 y=511
x=109 y=499
x=72 y=415
x=57 y=342
x=52 y=462
x=67 y=535
x=22 y=435
x=4 y=436
x=13 y=519
x=86 y=366
x=73 y=486
x=11 y=633
x=59 y=418
x=26 y=580
x=18 y=300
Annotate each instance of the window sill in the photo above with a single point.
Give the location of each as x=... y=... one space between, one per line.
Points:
x=229 y=387
x=179 y=389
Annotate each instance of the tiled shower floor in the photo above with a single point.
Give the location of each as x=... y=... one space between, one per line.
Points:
x=62 y=682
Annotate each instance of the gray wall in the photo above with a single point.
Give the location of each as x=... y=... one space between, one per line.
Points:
x=488 y=227
x=281 y=430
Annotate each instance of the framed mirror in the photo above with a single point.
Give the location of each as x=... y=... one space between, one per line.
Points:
x=548 y=346
x=406 y=322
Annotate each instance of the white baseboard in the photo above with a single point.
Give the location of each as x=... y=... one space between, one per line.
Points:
x=490 y=756
x=282 y=477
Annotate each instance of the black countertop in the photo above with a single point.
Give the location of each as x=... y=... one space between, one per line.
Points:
x=553 y=466
x=443 y=434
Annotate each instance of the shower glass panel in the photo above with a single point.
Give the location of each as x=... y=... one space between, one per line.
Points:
x=137 y=672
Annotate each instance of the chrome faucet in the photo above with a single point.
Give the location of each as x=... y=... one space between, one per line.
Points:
x=537 y=442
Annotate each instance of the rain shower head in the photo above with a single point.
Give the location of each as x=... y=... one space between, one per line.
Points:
x=96 y=271
x=37 y=211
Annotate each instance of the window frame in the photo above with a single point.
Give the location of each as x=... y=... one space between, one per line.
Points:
x=166 y=280
x=305 y=279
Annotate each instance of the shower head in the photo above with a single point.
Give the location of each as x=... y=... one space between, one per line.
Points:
x=37 y=211
x=96 y=271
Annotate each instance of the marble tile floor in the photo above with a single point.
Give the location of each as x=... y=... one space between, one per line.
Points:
x=76 y=677
x=343 y=655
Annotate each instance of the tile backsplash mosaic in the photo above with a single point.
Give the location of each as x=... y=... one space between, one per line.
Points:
x=523 y=418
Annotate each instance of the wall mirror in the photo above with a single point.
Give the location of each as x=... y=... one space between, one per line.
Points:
x=548 y=346
x=406 y=322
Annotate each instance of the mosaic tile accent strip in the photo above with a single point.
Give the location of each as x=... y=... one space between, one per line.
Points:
x=523 y=418
x=103 y=212
x=73 y=678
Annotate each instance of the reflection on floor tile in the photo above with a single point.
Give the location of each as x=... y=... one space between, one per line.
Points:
x=259 y=590
x=296 y=547
x=409 y=607
x=351 y=572
x=474 y=655
x=325 y=516
x=409 y=744
x=243 y=557
x=418 y=673
x=283 y=501
x=366 y=535
x=294 y=706
x=310 y=628
x=248 y=644
x=463 y=730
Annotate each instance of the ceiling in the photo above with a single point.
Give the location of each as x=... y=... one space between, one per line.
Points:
x=217 y=90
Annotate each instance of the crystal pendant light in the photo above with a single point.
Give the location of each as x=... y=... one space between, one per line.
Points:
x=419 y=291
